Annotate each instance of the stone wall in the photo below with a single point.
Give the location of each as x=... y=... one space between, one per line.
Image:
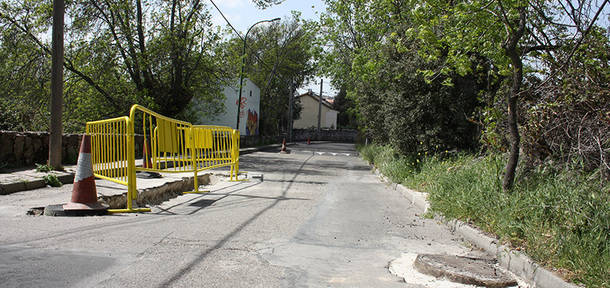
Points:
x=22 y=149
x=258 y=140
x=343 y=135
x=27 y=148
x=19 y=149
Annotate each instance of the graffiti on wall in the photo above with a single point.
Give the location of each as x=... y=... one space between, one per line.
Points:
x=252 y=123
x=242 y=106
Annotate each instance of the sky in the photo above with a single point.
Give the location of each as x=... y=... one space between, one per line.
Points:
x=243 y=13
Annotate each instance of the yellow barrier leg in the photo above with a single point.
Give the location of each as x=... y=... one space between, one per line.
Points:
x=231 y=173
x=196 y=181
x=196 y=188
x=236 y=172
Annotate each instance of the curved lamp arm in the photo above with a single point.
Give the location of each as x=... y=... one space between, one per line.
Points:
x=243 y=64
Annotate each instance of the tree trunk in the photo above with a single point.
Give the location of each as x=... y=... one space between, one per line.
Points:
x=513 y=52
x=513 y=158
x=57 y=76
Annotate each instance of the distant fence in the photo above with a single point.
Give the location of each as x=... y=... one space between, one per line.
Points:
x=343 y=135
x=301 y=135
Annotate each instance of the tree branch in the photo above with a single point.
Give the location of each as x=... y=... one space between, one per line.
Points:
x=67 y=62
x=111 y=23
x=528 y=49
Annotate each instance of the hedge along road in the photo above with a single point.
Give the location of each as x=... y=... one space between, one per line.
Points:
x=317 y=220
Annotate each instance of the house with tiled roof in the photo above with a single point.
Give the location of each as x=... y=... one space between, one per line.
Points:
x=309 y=113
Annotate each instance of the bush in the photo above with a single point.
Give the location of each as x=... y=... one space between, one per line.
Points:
x=568 y=119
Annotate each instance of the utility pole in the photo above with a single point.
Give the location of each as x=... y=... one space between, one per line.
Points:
x=290 y=103
x=320 y=109
x=57 y=85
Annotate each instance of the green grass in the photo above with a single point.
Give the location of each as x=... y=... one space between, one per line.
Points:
x=52 y=180
x=559 y=217
x=43 y=168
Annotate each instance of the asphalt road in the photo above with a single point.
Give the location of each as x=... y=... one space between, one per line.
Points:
x=320 y=218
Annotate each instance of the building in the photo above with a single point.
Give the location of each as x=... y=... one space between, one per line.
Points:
x=250 y=105
x=309 y=113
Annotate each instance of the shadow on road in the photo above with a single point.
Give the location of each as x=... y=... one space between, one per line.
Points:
x=224 y=240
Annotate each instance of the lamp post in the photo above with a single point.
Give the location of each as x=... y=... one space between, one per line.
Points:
x=243 y=64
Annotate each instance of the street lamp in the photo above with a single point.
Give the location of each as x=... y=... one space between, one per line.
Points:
x=243 y=64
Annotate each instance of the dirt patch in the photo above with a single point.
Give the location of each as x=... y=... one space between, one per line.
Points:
x=35 y=211
x=158 y=195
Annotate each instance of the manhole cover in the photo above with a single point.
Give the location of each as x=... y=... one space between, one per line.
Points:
x=466 y=270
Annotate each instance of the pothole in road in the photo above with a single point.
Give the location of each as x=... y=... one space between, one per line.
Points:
x=466 y=270
x=449 y=271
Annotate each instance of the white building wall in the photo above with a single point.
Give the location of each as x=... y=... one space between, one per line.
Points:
x=249 y=114
x=331 y=119
x=309 y=115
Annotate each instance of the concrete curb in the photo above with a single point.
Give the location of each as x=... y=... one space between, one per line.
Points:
x=68 y=177
x=417 y=198
x=514 y=261
x=9 y=188
x=249 y=150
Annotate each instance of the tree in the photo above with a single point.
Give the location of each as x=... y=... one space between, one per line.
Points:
x=278 y=56
x=159 y=54
x=164 y=48
x=507 y=33
x=380 y=69
x=263 y=4
x=25 y=71
x=346 y=108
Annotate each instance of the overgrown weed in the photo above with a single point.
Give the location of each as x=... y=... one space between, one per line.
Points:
x=557 y=215
x=43 y=168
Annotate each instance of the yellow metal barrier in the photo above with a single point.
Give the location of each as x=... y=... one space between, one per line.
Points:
x=170 y=146
x=109 y=149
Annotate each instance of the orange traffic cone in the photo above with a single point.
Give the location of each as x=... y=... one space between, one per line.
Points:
x=147 y=163
x=283 y=146
x=84 y=193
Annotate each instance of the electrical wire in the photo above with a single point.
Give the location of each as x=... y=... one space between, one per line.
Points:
x=227 y=20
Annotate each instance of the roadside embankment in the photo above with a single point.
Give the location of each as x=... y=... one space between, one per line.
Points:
x=558 y=217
